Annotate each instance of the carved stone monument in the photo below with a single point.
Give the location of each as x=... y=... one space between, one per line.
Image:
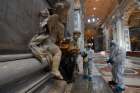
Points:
x=45 y=46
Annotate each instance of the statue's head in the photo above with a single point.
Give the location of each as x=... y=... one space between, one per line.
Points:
x=44 y=13
x=62 y=9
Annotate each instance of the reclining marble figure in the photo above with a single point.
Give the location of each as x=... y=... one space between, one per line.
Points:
x=45 y=45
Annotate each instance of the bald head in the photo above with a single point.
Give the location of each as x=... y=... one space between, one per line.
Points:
x=62 y=9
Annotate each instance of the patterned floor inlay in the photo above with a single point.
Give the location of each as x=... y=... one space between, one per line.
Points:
x=132 y=74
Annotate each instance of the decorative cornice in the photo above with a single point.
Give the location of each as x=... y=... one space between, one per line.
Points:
x=122 y=11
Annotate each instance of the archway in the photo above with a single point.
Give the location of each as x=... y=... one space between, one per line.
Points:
x=134 y=29
x=131 y=19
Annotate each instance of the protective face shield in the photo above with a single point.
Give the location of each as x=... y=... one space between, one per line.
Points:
x=89 y=45
x=113 y=44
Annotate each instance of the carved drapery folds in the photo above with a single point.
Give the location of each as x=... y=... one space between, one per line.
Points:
x=51 y=33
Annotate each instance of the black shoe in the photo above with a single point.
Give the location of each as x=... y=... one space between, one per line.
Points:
x=119 y=89
x=112 y=83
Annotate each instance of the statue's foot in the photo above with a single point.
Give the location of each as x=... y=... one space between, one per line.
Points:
x=57 y=75
x=44 y=60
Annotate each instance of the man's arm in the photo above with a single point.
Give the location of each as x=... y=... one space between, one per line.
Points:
x=113 y=55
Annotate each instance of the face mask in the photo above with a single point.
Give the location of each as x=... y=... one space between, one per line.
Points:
x=88 y=48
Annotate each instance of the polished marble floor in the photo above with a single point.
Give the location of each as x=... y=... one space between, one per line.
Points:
x=132 y=72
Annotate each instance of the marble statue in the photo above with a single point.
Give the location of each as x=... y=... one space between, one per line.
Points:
x=45 y=45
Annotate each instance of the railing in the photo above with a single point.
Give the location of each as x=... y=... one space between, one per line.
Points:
x=133 y=53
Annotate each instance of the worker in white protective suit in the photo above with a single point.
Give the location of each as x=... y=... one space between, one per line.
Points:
x=88 y=56
x=117 y=59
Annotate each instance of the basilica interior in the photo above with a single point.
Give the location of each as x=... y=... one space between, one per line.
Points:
x=40 y=39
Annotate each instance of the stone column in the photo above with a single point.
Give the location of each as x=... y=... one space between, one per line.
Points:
x=78 y=23
x=115 y=34
x=120 y=33
x=127 y=38
x=106 y=37
x=78 y=28
x=70 y=21
x=123 y=37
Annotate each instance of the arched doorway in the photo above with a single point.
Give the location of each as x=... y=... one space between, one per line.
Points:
x=134 y=30
x=131 y=19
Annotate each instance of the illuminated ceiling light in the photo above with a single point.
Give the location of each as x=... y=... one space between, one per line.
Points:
x=96 y=0
x=94 y=8
x=93 y=19
x=89 y=21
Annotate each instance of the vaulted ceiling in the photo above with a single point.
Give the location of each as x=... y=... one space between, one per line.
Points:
x=99 y=8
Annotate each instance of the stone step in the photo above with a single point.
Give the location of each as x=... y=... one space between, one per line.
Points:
x=26 y=84
x=11 y=57
x=14 y=70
